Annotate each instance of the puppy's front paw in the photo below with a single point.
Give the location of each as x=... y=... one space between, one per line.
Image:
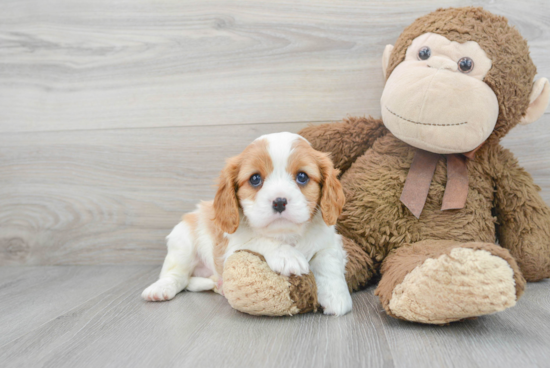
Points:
x=286 y=260
x=336 y=302
x=163 y=289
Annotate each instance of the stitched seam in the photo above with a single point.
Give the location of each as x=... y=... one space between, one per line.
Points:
x=416 y=122
x=437 y=70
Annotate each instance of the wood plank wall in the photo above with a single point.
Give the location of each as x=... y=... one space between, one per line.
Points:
x=116 y=117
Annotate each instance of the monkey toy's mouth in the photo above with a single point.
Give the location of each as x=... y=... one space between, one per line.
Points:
x=435 y=132
x=420 y=123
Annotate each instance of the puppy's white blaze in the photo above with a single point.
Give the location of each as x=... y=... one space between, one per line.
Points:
x=282 y=136
x=280 y=148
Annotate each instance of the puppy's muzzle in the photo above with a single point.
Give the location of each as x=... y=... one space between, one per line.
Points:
x=279 y=204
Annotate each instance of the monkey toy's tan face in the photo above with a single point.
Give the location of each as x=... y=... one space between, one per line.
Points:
x=436 y=99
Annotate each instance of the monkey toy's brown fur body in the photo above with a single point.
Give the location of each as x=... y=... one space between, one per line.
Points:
x=502 y=203
x=413 y=257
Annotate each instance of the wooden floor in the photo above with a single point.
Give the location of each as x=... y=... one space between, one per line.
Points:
x=115 y=119
x=92 y=316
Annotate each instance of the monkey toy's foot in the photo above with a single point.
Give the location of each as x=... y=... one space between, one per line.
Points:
x=438 y=282
x=252 y=287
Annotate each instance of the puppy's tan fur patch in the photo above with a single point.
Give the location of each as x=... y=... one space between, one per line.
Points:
x=206 y=214
x=255 y=160
x=305 y=159
x=192 y=219
x=324 y=188
x=225 y=205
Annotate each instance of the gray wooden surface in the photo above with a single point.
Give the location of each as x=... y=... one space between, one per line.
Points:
x=116 y=117
x=102 y=322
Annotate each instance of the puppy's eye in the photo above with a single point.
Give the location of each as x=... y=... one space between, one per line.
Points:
x=424 y=53
x=255 y=180
x=302 y=178
x=466 y=65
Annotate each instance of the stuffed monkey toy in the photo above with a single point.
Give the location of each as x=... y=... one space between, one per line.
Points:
x=436 y=209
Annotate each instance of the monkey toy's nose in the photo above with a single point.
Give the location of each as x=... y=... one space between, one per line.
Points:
x=279 y=204
x=439 y=62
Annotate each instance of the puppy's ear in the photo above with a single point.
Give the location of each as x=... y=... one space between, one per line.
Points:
x=226 y=204
x=332 y=194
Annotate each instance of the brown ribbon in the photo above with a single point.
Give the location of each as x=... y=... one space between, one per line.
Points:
x=418 y=181
x=456 y=189
x=420 y=176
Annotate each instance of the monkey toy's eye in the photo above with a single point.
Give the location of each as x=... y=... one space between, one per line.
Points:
x=302 y=178
x=466 y=65
x=424 y=53
x=255 y=180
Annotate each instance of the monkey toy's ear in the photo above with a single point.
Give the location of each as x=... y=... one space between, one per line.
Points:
x=386 y=59
x=538 y=101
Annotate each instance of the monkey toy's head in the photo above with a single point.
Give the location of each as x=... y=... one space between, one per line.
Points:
x=458 y=77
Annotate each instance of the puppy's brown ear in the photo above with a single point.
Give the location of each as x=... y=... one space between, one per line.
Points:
x=226 y=204
x=332 y=194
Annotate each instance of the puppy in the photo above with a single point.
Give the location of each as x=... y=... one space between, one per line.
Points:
x=279 y=198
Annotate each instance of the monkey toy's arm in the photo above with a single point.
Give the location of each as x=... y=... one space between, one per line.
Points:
x=346 y=140
x=523 y=218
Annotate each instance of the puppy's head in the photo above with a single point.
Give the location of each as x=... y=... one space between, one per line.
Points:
x=280 y=182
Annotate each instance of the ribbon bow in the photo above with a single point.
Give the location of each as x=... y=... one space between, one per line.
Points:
x=420 y=176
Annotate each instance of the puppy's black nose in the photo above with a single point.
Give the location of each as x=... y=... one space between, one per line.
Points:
x=279 y=204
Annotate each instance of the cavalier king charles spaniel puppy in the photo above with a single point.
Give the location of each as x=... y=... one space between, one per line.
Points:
x=279 y=198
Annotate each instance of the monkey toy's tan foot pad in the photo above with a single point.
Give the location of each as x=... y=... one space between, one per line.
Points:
x=439 y=282
x=252 y=287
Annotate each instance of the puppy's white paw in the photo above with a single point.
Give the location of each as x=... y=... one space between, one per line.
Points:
x=163 y=289
x=286 y=260
x=336 y=302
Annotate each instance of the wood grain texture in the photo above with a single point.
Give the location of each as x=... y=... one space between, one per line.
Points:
x=111 y=196
x=96 y=64
x=115 y=328
x=115 y=118
x=103 y=197
x=33 y=296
